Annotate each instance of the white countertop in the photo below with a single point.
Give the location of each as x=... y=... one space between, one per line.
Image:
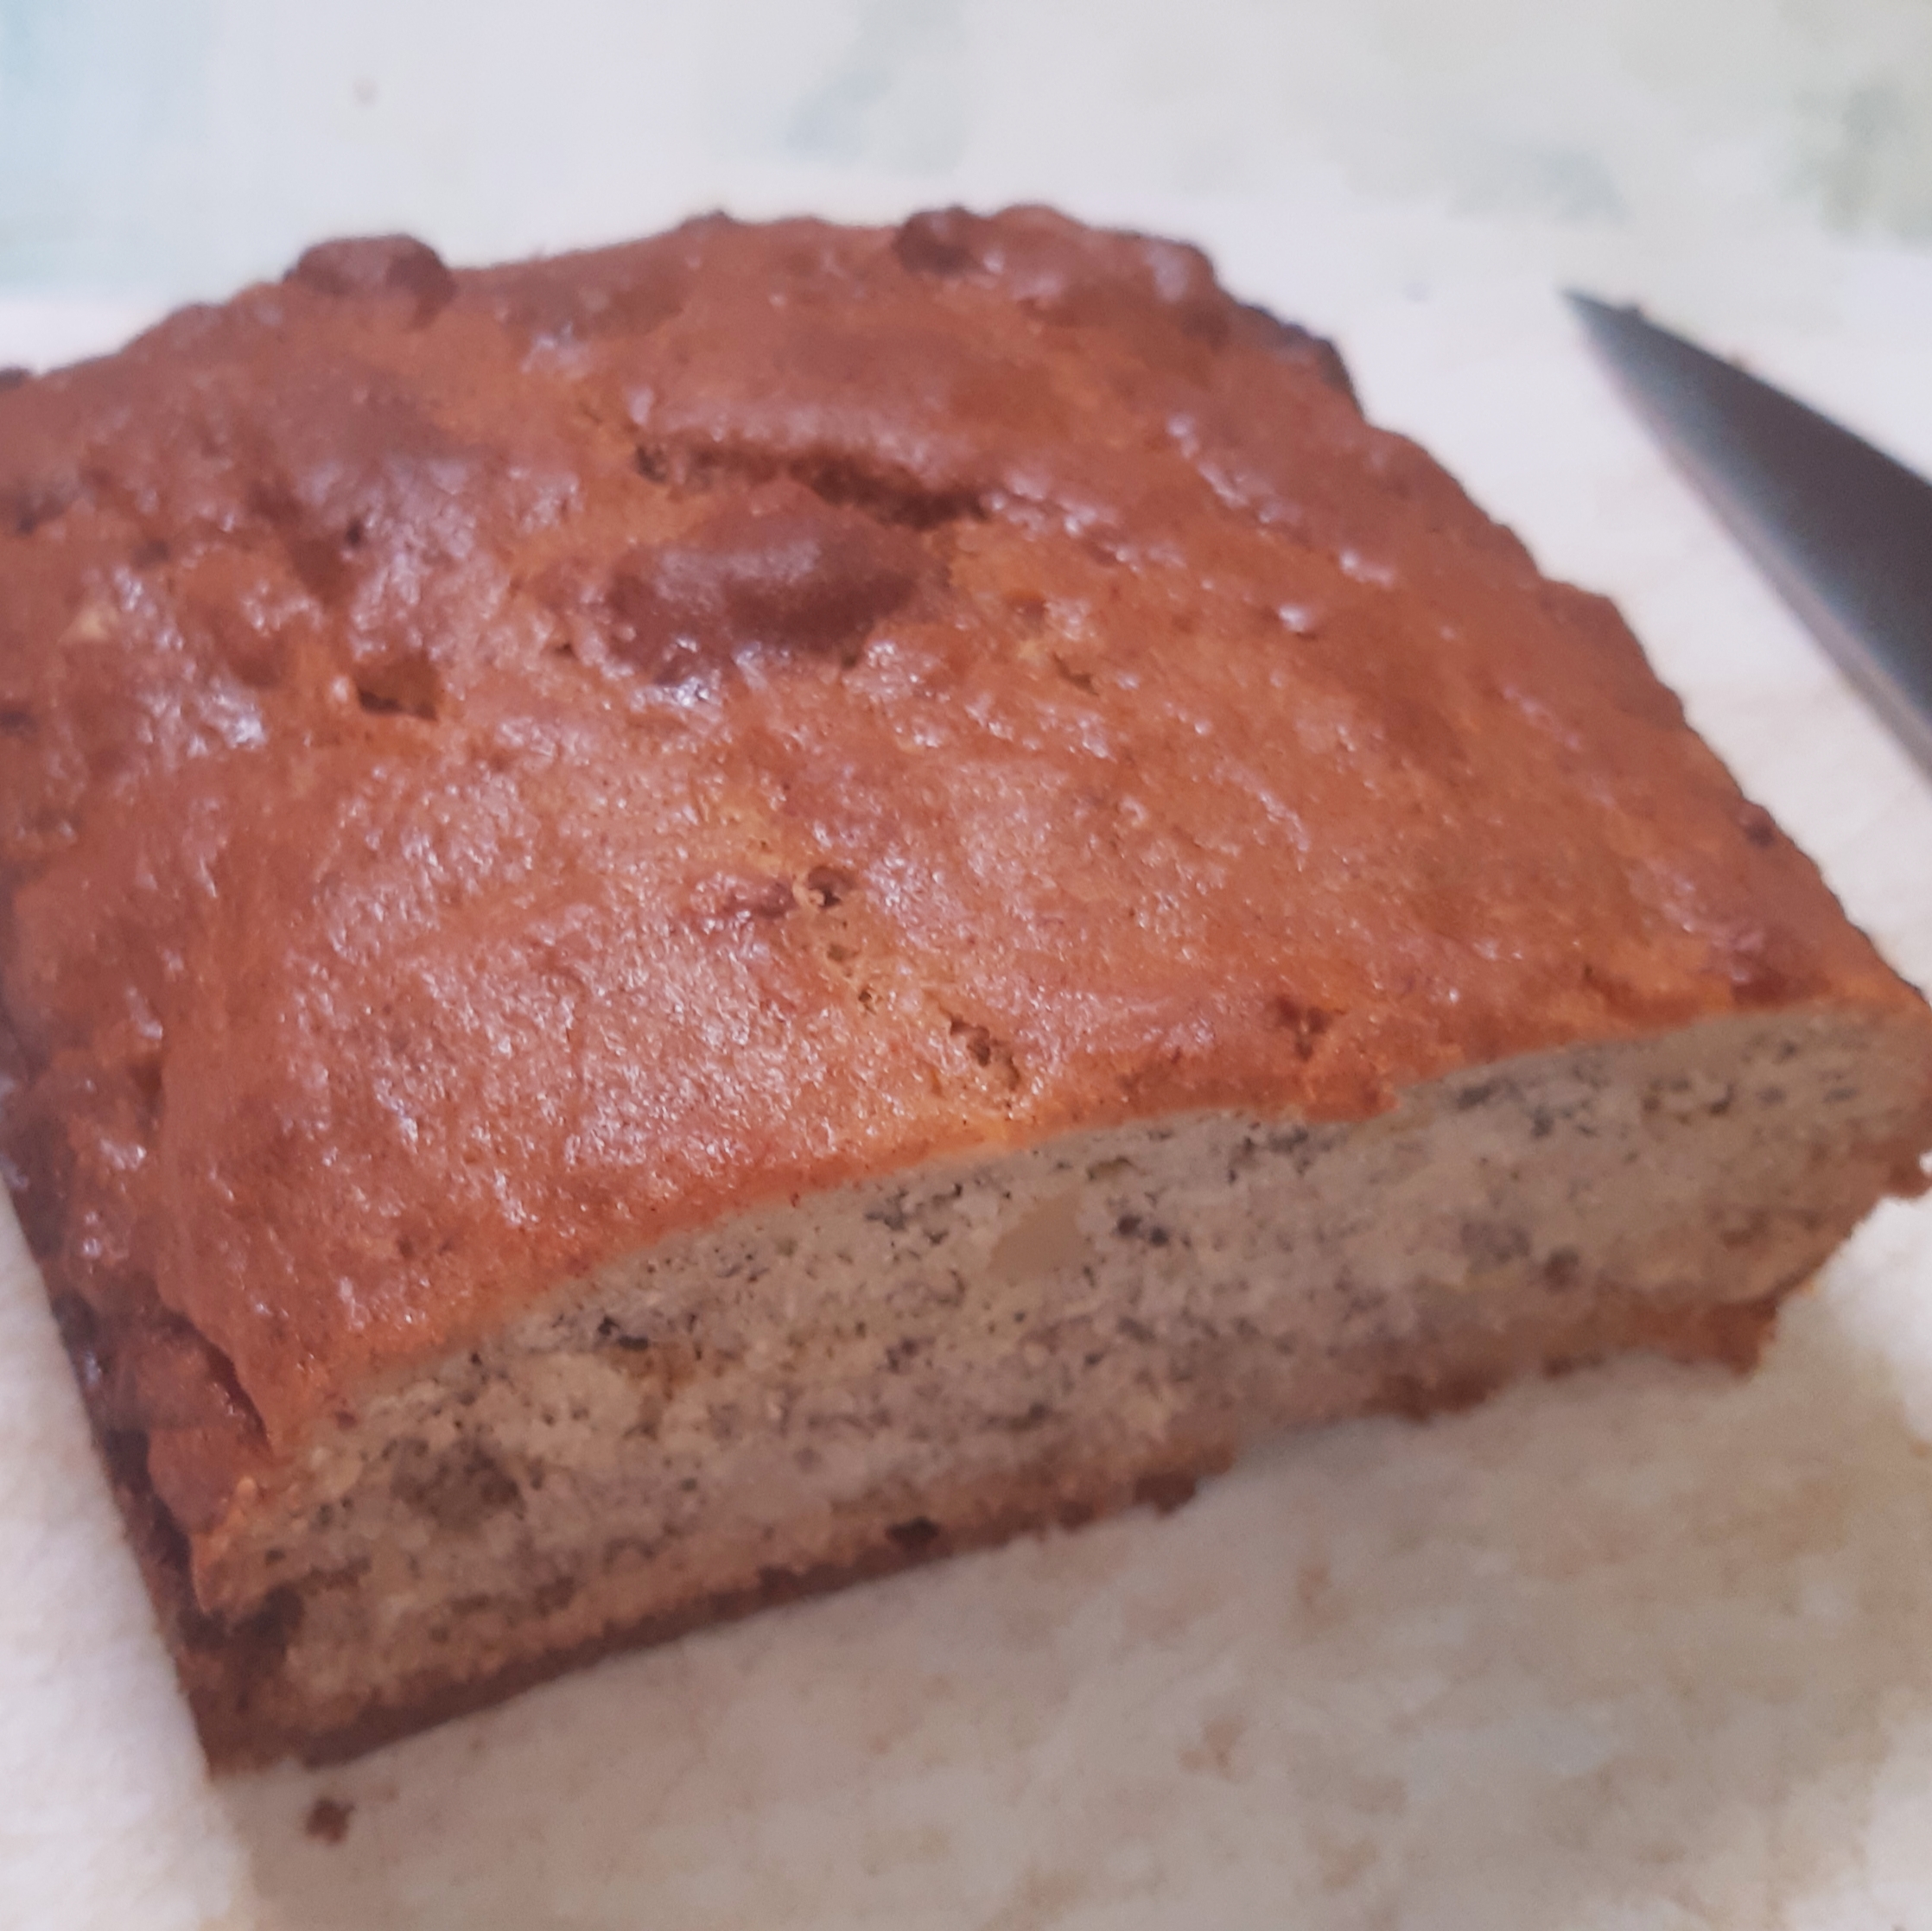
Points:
x=1645 y=1648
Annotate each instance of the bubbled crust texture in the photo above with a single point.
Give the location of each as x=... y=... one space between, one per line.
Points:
x=501 y=765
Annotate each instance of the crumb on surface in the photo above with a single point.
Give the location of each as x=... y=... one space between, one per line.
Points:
x=328 y=1821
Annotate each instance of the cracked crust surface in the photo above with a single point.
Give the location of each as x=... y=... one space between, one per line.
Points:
x=498 y=769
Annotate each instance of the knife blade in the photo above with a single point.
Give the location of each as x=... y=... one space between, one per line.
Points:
x=1842 y=530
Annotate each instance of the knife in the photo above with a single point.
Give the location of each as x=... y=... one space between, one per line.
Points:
x=1844 y=533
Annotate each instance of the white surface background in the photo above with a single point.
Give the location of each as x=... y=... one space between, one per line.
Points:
x=1648 y=1648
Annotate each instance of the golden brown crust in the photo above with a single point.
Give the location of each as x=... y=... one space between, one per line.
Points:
x=501 y=765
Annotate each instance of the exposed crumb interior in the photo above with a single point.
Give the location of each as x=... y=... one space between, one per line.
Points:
x=890 y=1367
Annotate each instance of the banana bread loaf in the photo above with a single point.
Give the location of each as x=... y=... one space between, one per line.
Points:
x=690 y=921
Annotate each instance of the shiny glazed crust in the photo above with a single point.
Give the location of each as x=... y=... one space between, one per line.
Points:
x=504 y=767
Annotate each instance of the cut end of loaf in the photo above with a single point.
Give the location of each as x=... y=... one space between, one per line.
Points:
x=938 y=1360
